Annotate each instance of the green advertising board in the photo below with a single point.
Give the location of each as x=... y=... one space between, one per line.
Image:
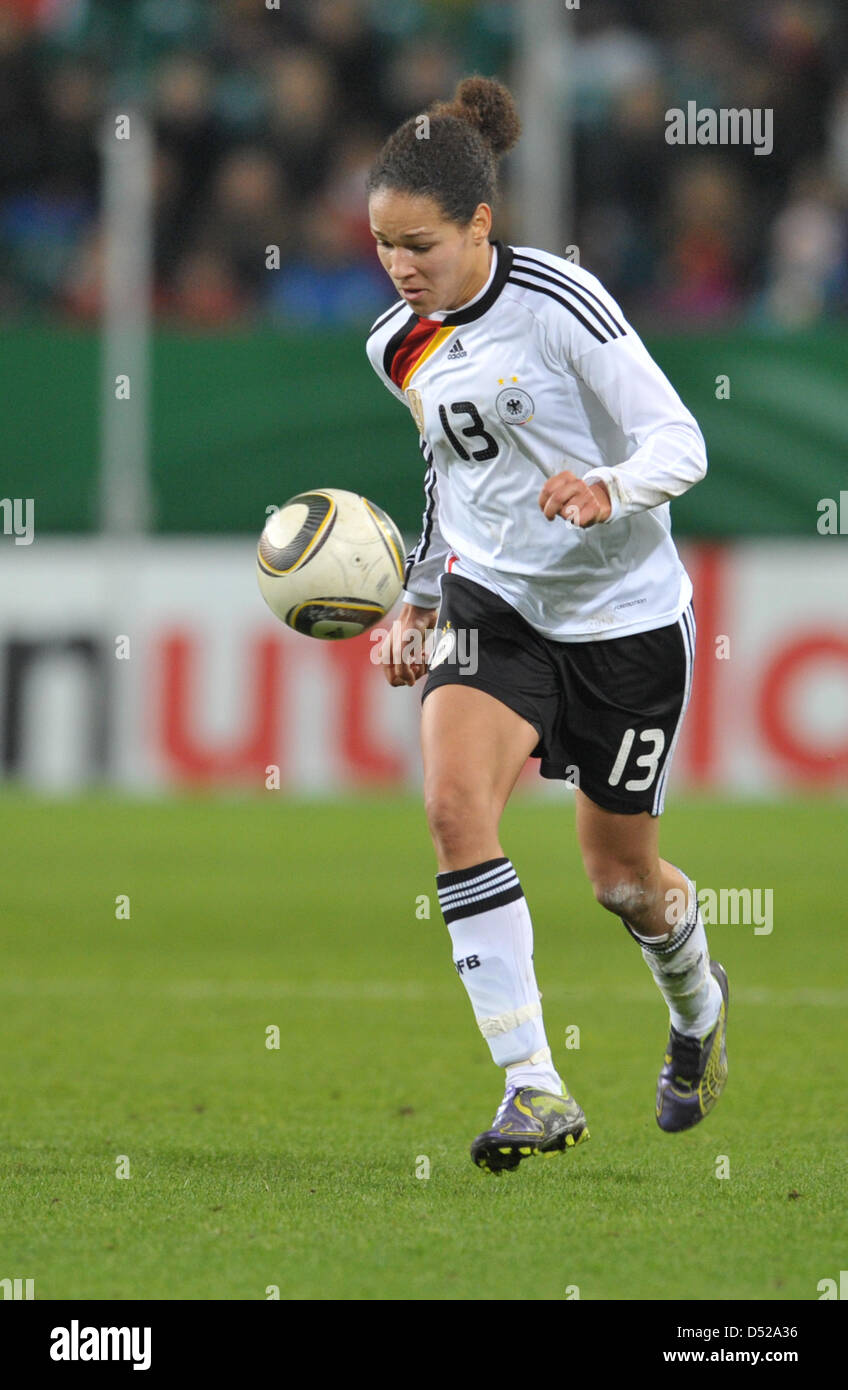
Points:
x=241 y=421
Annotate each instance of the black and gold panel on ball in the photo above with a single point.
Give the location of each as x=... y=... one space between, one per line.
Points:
x=320 y=519
x=333 y=617
x=388 y=533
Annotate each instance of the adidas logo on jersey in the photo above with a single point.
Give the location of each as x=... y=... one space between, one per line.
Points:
x=456 y=352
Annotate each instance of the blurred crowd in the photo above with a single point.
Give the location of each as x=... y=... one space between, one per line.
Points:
x=267 y=117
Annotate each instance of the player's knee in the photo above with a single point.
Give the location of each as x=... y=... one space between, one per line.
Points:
x=624 y=893
x=455 y=817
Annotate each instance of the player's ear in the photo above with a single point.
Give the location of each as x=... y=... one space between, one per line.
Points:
x=481 y=223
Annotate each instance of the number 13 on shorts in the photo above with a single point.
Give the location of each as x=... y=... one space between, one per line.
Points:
x=650 y=759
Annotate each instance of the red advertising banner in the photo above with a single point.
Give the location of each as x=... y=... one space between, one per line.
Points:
x=158 y=667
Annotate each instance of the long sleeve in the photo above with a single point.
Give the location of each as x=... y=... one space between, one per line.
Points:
x=670 y=454
x=426 y=561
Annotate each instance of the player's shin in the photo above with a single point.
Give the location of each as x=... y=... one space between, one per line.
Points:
x=680 y=965
x=489 y=922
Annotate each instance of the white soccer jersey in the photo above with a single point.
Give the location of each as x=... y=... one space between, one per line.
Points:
x=541 y=372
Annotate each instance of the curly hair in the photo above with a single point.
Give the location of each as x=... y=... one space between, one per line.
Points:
x=453 y=159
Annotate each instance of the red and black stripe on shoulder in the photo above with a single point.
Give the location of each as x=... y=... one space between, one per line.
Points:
x=405 y=348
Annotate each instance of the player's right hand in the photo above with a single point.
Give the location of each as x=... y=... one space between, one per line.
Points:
x=406 y=640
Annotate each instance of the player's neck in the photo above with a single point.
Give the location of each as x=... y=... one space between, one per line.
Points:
x=479 y=277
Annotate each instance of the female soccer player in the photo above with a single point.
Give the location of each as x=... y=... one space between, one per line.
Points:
x=553 y=444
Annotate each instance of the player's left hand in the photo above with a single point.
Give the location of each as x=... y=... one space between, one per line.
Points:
x=580 y=503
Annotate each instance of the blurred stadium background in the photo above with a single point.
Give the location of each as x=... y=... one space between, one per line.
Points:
x=219 y=261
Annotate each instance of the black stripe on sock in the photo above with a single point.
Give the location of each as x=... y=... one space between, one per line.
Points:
x=475 y=888
x=508 y=895
x=678 y=938
x=503 y=887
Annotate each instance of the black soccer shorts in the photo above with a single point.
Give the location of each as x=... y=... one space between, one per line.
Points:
x=608 y=712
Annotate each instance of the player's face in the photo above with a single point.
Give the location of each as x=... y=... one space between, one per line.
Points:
x=434 y=264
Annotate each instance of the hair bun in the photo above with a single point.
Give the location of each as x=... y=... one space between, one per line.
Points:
x=489 y=106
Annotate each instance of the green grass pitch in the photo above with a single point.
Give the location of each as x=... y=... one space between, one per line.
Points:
x=251 y=1167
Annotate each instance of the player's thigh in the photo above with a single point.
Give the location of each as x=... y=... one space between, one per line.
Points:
x=616 y=846
x=473 y=748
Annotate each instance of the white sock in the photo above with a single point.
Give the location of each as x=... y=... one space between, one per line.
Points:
x=680 y=965
x=488 y=919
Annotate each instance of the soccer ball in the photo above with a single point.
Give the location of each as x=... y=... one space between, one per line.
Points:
x=330 y=563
